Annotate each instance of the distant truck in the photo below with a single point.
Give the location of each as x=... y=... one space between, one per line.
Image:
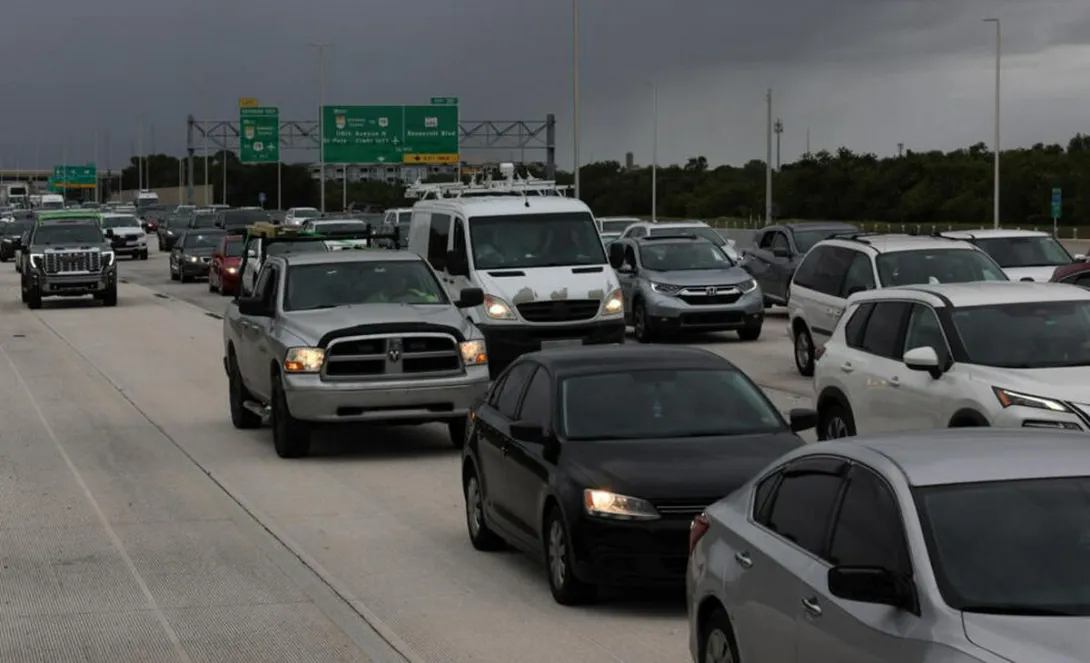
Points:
x=14 y=193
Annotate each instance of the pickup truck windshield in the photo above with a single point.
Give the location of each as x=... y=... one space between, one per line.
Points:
x=366 y=282
x=76 y=233
x=536 y=240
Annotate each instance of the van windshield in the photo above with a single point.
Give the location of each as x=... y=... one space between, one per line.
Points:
x=523 y=241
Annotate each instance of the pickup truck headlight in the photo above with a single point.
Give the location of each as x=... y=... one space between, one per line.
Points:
x=36 y=260
x=497 y=309
x=614 y=303
x=107 y=259
x=474 y=353
x=604 y=504
x=304 y=360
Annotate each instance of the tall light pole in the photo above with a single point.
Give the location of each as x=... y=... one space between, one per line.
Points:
x=655 y=153
x=996 y=147
x=768 y=158
x=140 y=153
x=778 y=128
x=575 y=91
x=321 y=118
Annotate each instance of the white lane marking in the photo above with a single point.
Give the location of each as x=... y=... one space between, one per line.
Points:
x=152 y=605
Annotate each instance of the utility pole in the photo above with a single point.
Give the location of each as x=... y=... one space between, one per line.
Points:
x=778 y=128
x=321 y=118
x=900 y=150
x=996 y=147
x=207 y=191
x=655 y=155
x=768 y=158
x=140 y=154
x=575 y=92
x=223 y=160
x=147 y=161
x=808 y=152
x=94 y=162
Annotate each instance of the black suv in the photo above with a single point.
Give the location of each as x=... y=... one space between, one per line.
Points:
x=68 y=259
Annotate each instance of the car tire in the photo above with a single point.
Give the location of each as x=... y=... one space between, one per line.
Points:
x=804 y=351
x=457 y=431
x=641 y=325
x=717 y=643
x=173 y=274
x=109 y=296
x=33 y=298
x=750 y=332
x=237 y=395
x=291 y=437
x=144 y=254
x=480 y=535
x=835 y=421
x=565 y=587
x=183 y=277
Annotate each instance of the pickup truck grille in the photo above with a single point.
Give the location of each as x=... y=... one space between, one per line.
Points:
x=411 y=355
x=562 y=310
x=65 y=262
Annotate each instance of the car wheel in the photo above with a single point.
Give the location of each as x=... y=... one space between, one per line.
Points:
x=291 y=437
x=566 y=588
x=457 y=431
x=750 y=332
x=237 y=395
x=835 y=421
x=641 y=325
x=804 y=352
x=480 y=535
x=717 y=640
x=109 y=297
x=173 y=273
x=183 y=277
x=144 y=255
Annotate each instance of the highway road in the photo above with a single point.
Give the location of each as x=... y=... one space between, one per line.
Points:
x=138 y=524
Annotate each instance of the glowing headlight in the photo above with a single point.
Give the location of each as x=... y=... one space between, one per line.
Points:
x=614 y=303
x=35 y=260
x=107 y=258
x=193 y=259
x=747 y=286
x=1008 y=398
x=474 y=353
x=497 y=309
x=664 y=288
x=304 y=360
x=232 y=270
x=605 y=504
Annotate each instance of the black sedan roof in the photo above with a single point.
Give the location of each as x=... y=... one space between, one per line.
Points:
x=584 y=359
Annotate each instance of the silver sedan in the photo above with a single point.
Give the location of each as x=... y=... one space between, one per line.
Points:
x=952 y=546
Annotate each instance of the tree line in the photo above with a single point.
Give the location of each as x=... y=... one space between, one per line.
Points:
x=917 y=187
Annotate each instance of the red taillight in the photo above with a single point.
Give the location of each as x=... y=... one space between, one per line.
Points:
x=697 y=530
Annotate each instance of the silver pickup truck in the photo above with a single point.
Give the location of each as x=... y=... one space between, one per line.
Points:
x=351 y=336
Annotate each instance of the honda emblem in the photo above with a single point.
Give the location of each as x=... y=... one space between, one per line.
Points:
x=711 y=290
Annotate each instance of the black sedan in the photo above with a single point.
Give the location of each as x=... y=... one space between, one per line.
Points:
x=191 y=257
x=596 y=459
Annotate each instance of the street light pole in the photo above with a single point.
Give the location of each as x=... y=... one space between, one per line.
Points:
x=996 y=147
x=575 y=91
x=655 y=154
x=778 y=128
x=768 y=158
x=321 y=119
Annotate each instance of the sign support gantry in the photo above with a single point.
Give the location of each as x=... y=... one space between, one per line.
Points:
x=473 y=135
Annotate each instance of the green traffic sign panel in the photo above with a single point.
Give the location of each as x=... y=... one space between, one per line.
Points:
x=444 y=101
x=390 y=134
x=1057 y=203
x=259 y=134
x=74 y=177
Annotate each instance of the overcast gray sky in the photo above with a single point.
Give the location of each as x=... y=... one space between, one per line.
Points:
x=866 y=74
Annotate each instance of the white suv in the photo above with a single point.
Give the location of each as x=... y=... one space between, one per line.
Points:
x=936 y=356
x=1025 y=255
x=839 y=267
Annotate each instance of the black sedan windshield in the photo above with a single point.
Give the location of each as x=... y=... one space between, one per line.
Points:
x=536 y=240
x=1012 y=547
x=208 y=240
x=936 y=266
x=664 y=403
x=1033 y=335
x=71 y=233
x=1013 y=252
x=366 y=282
x=677 y=256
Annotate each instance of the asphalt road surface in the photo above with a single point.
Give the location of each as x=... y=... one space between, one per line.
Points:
x=139 y=525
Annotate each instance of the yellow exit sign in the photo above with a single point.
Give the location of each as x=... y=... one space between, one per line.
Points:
x=429 y=158
x=247 y=102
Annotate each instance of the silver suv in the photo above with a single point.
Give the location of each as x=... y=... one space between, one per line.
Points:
x=678 y=283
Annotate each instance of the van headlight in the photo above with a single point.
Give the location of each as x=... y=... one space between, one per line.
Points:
x=614 y=303
x=474 y=353
x=497 y=309
x=304 y=360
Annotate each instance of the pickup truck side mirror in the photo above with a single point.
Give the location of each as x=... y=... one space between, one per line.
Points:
x=109 y=233
x=253 y=306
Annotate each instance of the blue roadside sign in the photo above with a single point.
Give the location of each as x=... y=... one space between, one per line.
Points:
x=1057 y=203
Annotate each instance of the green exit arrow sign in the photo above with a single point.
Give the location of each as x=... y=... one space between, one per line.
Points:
x=444 y=101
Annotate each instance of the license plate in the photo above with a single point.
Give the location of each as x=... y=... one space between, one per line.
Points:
x=563 y=343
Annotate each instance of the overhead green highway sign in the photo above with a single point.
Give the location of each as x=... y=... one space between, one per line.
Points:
x=391 y=134
x=259 y=134
x=74 y=177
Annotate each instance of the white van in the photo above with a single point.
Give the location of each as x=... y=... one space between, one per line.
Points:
x=51 y=201
x=146 y=199
x=536 y=255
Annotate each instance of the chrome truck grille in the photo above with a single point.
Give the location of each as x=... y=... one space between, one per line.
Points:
x=72 y=262
x=409 y=355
